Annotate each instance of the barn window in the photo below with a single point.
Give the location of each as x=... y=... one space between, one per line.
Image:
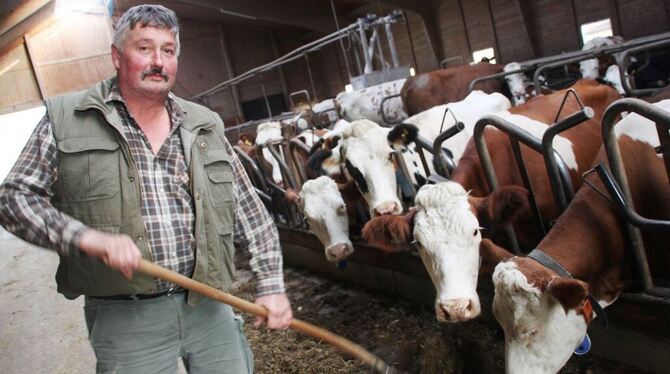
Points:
x=602 y=28
x=485 y=54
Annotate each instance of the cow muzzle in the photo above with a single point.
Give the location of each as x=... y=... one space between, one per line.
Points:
x=387 y=208
x=457 y=310
x=339 y=252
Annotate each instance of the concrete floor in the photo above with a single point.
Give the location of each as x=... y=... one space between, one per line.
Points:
x=40 y=330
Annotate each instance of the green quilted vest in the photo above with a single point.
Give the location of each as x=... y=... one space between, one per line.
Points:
x=98 y=185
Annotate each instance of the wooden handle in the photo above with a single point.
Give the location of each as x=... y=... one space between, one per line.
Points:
x=306 y=328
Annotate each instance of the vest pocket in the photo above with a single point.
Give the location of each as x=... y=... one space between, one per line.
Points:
x=227 y=259
x=88 y=168
x=220 y=176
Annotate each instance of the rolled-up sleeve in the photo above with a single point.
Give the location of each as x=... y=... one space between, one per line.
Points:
x=255 y=228
x=25 y=196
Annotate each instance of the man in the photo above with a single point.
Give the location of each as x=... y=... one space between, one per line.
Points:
x=125 y=171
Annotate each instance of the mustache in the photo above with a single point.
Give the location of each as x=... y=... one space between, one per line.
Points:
x=155 y=71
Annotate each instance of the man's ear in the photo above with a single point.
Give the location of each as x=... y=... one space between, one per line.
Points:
x=116 y=57
x=491 y=255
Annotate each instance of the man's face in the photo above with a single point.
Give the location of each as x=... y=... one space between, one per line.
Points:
x=147 y=63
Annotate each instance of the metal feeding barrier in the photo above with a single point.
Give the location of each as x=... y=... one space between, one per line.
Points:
x=618 y=186
x=623 y=60
x=557 y=171
x=546 y=63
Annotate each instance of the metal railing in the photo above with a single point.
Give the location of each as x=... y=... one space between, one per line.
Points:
x=557 y=171
x=620 y=188
x=623 y=62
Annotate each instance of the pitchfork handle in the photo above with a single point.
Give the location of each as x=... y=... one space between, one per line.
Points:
x=316 y=332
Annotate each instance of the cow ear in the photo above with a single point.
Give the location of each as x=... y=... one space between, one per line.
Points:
x=491 y=255
x=507 y=203
x=388 y=233
x=404 y=133
x=571 y=293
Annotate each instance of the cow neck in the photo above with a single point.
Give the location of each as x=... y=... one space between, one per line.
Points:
x=549 y=262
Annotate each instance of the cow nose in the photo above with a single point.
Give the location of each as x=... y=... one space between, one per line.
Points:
x=389 y=207
x=339 y=252
x=455 y=310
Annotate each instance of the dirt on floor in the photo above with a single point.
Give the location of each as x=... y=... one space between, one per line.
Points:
x=402 y=333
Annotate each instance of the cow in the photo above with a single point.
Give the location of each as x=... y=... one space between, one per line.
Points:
x=367 y=103
x=426 y=90
x=321 y=202
x=452 y=216
x=367 y=149
x=545 y=315
x=597 y=67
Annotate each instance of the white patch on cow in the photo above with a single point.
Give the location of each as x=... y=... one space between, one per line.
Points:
x=640 y=128
x=324 y=208
x=325 y=108
x=448 y=235
x=366 y=147
x=614 y=78
x=366 y=103
x=539 y=335
x=338 y=128
x=421 y=81
x=563 y=146
x=468 y=111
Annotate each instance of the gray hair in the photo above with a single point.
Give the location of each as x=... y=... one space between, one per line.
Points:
x=156 y=16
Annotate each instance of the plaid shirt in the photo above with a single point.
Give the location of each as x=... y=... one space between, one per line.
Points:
x=166 y=202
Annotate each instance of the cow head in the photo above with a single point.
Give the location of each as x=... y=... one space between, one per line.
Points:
x=267 y=133
x=595 y=67
x=516 y=83
x=369 y=158
x=544 y=316
x=322 y=204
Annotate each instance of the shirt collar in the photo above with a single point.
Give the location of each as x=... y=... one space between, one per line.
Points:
x=175 y=110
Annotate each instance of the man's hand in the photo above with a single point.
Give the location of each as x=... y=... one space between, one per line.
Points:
x=117 y=251
x=279 y=311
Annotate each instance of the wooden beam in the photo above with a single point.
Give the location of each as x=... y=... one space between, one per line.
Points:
x=496 y=45
x=20 y=14
x=35 y=68
x=282 y=76
x=526 y=14
x=465 y=28
x=235 y=94
x=573 y=9
x=617 y=29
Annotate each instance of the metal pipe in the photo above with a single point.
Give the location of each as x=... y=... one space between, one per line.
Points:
x=337 y=25
x=616 y=164
x=411 y=42
x=381 y=105
x=521 y=165
x=252 y=164
x=622 y=61
x=563 y=192
x=282 y=166
x=445 y=164
x=311 y=79
x=364 y=45
x=391 y=41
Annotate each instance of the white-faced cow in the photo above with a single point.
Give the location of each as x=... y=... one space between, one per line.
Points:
x=324 y=208
x=367 y=103
x=426 y=90
x=446 y=229
x=545 y=315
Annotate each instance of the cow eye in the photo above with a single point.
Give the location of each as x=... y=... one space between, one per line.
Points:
x=391 y=156
x=341 y=210
x=476 y=232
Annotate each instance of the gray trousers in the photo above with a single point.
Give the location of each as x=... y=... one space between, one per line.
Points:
x=149 y=336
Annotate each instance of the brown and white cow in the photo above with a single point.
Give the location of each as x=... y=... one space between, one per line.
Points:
x=545 y=315
x=426 y=90
x=367 y=103
x=449 y=215
x=597 y=67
